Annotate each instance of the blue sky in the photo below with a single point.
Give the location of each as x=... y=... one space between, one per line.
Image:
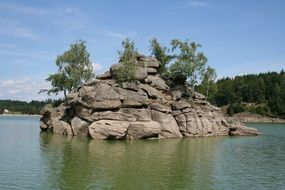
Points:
x=238 y=37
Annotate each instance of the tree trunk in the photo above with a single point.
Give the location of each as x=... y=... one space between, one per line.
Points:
x=207 y=93
x=65 y=100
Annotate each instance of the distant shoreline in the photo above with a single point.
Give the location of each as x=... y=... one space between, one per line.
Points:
x=246 y=117
x=24 y=115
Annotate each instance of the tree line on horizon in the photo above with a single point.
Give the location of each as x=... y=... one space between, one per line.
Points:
x=22 y=107
x=262 y=93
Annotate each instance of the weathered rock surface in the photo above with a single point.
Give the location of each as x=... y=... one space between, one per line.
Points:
x=130 y=98
x=157 y=82
x=147 y=62
x=106 y=75
x=169 y=127
x=146 y=108
x=151 y=92
x=139 y=114
x=61 y=127
x=108 y=129
x=79 y=127
x=142 y=130
x=238 y=129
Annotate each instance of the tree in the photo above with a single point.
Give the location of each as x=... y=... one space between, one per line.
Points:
x=188 y=63
x=127 y=58
x=160 y=53
x=209 y=77
x=74 y=68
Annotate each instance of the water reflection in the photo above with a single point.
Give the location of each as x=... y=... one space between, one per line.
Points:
x=79 y=163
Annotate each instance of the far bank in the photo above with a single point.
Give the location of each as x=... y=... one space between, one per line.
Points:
x=246 y=117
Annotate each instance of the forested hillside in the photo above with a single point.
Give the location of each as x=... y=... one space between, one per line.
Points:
x=23 y=107
x=257 y=93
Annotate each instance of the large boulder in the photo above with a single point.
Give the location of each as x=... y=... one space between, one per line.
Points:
x=47 y=110
x=131 y=98
x=141 y=130
x=79 y=127
x=199 y=123
x=169 y=127
x=141 y=74
x=157 y=82
x=106 y=75
x=198 y=96
x=114 y=69
x=140 y=114
x=150 y=62
x=61 y=127
x=43 y=126
x=84 y=90
x=83 y=112
x=176 y=95
x=151 y=71
x=180 y=105
x=119 y=116
x=152 y=92
x=130 y=86
x=238 y=129
x=181 y=121
x=102 y=97
x=108 y=129
x=161 y=107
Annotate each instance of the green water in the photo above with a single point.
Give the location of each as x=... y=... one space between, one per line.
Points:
x=33 y=160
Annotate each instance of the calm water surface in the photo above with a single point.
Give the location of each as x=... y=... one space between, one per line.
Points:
x=33 y=160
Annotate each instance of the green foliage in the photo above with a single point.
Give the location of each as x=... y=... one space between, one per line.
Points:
x=160 y=53
x=181 y=63
x=261 y=109
x=234 y=108
x=74 y=68
x=209 y=76
x=33 y=107
x=127 y=58
x=263 y=93
x=188 y=64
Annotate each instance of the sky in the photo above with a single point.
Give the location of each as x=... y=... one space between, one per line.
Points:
x=238 y=37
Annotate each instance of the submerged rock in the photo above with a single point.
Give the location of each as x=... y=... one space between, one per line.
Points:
x=145 y=108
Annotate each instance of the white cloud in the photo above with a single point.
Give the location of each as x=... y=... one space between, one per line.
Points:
x=117 y=35
x=97 y=68
x=35 y=54
x=192 y=4
x=23 y=89
x=68 y=11
x=8 y=27
x=120 y=35
x=66 y=18
x=198 y=4
x=22 y=8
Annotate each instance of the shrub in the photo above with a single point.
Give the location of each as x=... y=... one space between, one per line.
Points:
x=126 y=71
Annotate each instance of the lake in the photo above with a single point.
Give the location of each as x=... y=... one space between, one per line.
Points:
x=30 y=159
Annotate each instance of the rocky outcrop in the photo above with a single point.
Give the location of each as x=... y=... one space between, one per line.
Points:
x=146 y=108
x=238 y=129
